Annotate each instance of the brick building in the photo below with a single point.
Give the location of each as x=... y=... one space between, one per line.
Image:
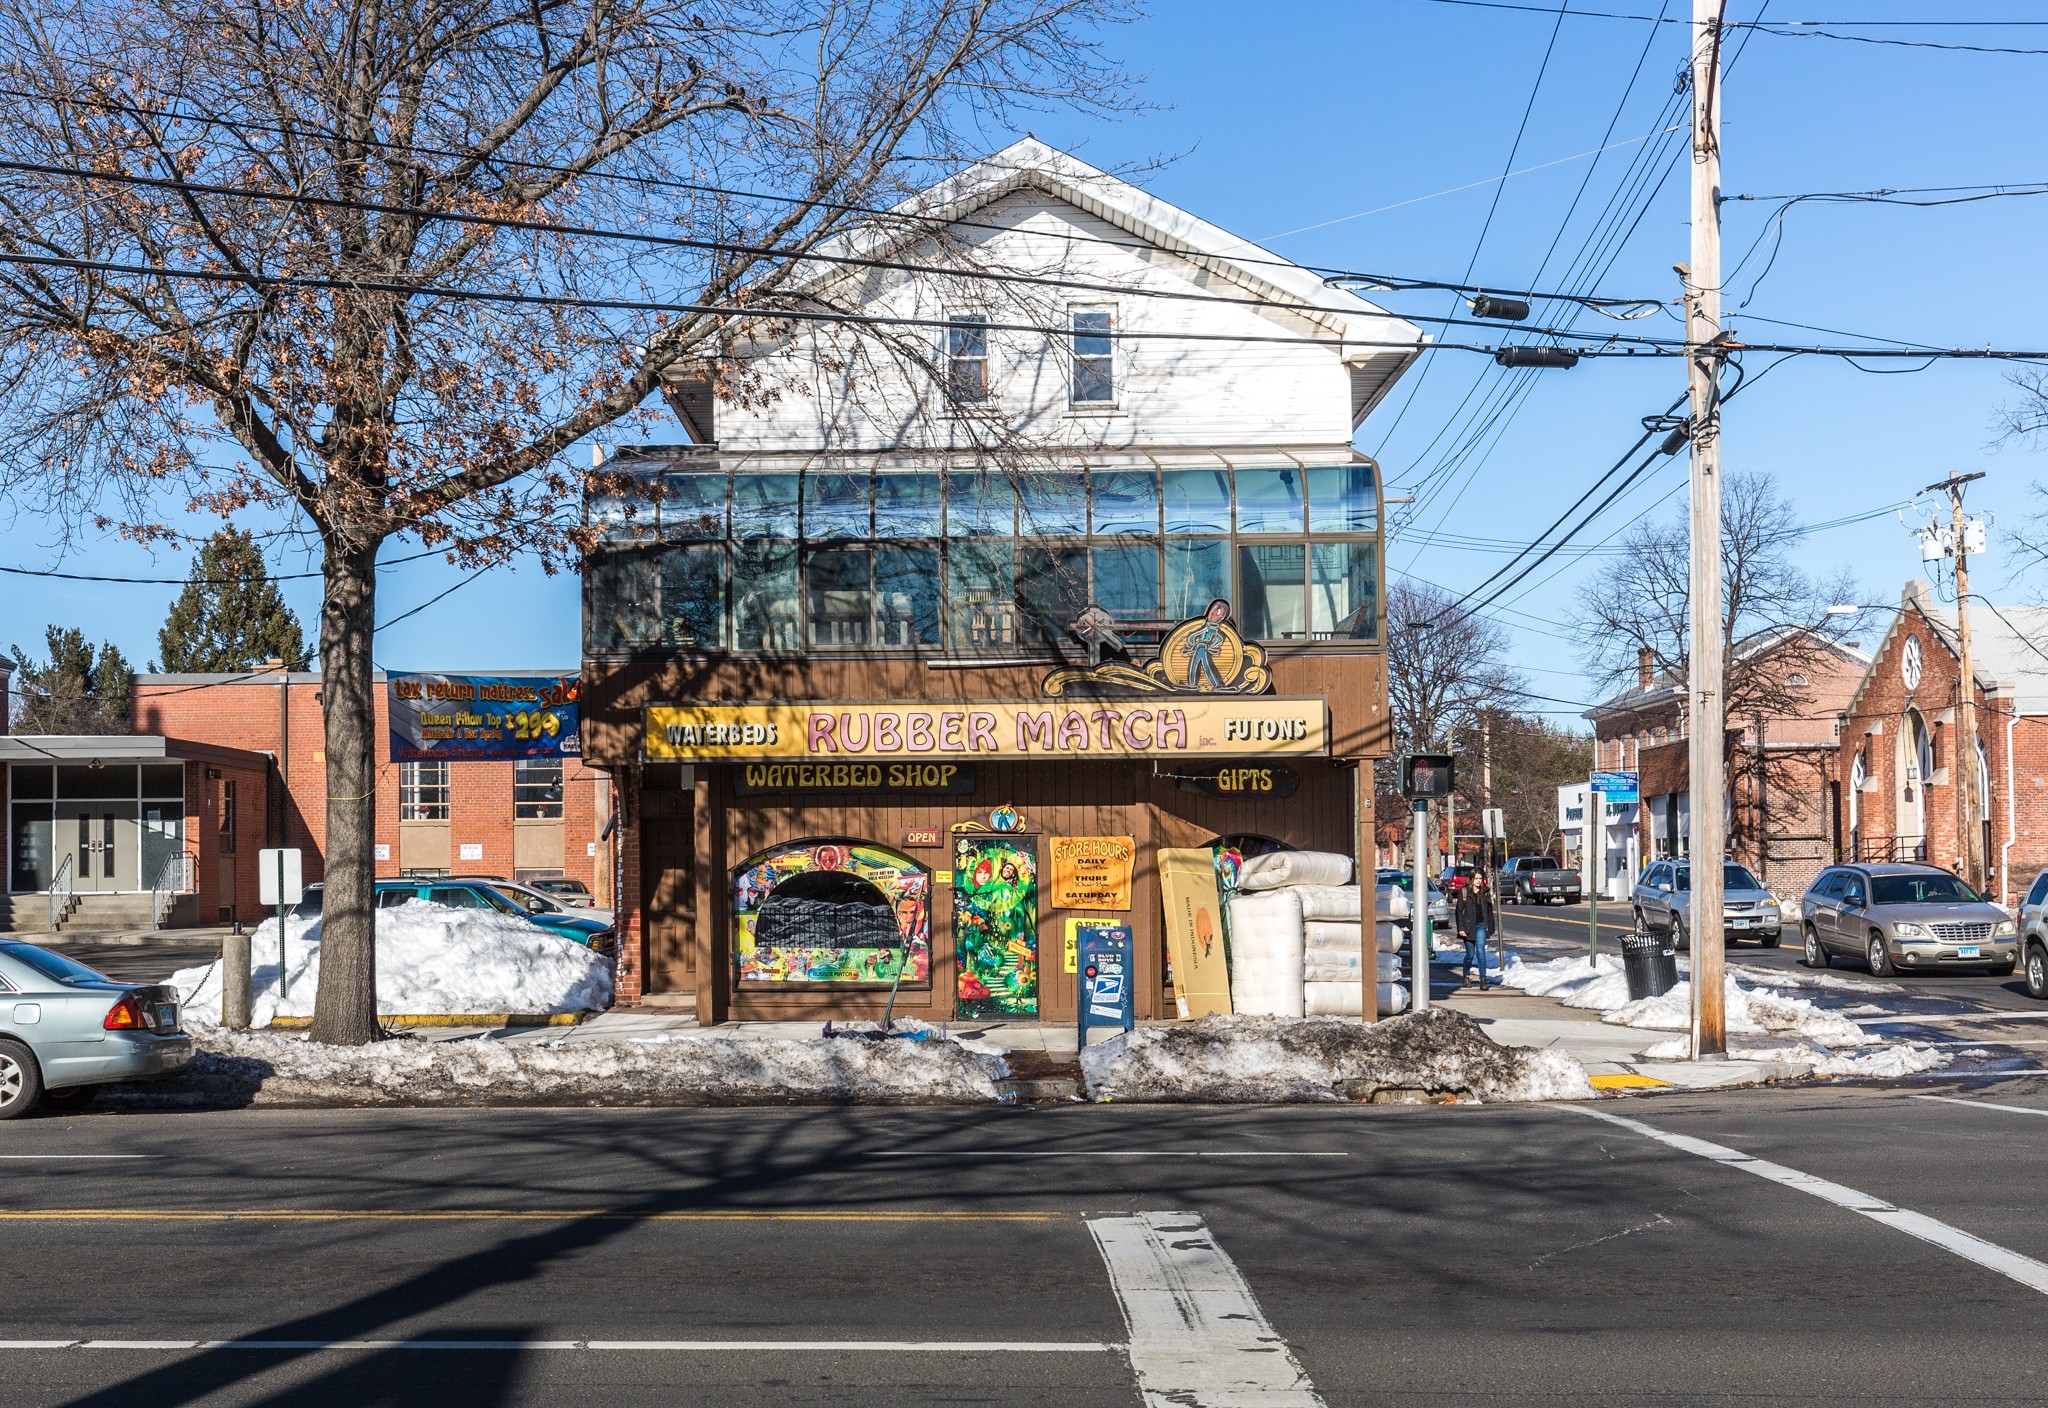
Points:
x=1897 y=792
x=164 y=825
x=1781 y=765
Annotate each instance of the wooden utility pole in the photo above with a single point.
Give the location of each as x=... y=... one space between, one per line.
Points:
x=1708 y=703
x=1969 y=806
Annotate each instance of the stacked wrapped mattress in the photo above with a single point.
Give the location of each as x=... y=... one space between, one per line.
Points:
x=1297 y=931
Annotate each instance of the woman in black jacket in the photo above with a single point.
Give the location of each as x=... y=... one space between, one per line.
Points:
x=1476 y=919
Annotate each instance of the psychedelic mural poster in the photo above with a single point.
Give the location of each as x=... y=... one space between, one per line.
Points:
x=995 y=925
x=832 y=911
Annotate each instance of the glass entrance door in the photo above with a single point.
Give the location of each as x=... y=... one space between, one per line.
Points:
x=104 y=841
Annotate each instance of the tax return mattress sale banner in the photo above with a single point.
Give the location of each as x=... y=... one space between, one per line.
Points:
x=472 y=718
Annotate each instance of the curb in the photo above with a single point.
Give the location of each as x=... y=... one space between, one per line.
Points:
x=451 y=1019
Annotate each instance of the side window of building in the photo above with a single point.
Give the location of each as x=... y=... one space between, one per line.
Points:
x=1093 y=379
x=537 y=789
x=967 y=358
x=228 y=820
x=423 y=791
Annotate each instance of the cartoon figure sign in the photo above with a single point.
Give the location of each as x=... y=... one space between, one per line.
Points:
x=995 y=925
x=1204 y=655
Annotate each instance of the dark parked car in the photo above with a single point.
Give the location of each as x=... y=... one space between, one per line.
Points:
x=474 y=894
x=1902 y=918
x=1539 y=880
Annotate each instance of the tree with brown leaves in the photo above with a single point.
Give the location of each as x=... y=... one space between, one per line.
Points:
x=379 y=266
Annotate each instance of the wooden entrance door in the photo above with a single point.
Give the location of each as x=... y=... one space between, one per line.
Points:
x=668 y=886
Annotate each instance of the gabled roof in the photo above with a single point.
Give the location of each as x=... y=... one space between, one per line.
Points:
x=1377 y=345
x=1668 y=684
x=2007 y=645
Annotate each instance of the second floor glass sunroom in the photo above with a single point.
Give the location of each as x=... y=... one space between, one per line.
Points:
x=705 y=553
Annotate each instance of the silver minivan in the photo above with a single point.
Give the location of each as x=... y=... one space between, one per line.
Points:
x=1904 y=918
x=1662 y=901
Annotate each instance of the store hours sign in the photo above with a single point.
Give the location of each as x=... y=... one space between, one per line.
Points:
x=466 y=718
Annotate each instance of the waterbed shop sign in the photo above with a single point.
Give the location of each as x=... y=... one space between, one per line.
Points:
x=1084 y=728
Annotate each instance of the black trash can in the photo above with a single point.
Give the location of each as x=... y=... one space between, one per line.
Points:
x=1651 y=964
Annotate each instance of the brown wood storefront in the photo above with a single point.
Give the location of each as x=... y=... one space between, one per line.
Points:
x=697 y=830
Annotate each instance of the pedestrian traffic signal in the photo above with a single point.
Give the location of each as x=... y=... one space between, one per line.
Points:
x=1427 y=775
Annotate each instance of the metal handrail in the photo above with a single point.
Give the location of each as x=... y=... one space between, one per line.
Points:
x=178 y=875
x=61 y=885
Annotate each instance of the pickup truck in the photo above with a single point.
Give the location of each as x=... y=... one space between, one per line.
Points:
x=1539 y=880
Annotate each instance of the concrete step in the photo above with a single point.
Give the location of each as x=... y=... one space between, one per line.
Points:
x=93 y=911
x=24 y=914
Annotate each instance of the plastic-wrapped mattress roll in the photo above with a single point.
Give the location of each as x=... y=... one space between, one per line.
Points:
x=1332 y=933
x=1328 y=901
x=1343 y=999
x=1294 y=868
x=1265 y=954
x=1342 y=933
x=1390 y=902
x=1329 y=966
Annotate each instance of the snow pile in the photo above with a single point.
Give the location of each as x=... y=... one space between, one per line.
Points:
x=1881 y=1063
x=431 y=961
x=275 y=1068
x=1602 y=986
x=1252 y=1060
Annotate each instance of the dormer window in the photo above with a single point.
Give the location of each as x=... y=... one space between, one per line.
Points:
x=967 y=357
x=1094 y=375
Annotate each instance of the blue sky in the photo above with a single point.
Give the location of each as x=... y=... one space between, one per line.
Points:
x=1276 y=118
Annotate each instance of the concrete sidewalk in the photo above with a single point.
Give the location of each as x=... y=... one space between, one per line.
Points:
x=1612 y=1055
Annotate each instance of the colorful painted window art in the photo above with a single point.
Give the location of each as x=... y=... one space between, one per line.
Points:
x=995 y=925
x=832 y=911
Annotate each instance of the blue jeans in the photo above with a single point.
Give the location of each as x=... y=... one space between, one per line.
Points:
x=1475 y=953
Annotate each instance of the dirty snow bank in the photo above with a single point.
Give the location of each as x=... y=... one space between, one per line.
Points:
x=275 y=1068
x=1878 y=1063
x=431 y=961
x=1251 y=1060
x=1602 y=986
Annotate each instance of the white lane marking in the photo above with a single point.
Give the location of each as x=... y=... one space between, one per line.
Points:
x=660 y=1346
x=1108 y=1153
x=1198 y=1338
x=79 y=1156
x=2006 y=1262
x=1982 y=1105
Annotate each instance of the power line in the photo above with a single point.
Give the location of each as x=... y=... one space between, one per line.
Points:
x=196 y=581
x=1388 y=282
x=1391 y=282
x=1635 y=345
x=1791 y=29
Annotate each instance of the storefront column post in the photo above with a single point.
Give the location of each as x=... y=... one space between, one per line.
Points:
x=708 y=912
x=1365 y=839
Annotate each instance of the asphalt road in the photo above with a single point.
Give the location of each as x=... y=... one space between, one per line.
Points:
x=1508 y=1255
x=151 y=962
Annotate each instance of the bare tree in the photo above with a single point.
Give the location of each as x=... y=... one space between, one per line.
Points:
x=1776 y=617
x=375 y=266
x=1444 y=666
x=1532 y=758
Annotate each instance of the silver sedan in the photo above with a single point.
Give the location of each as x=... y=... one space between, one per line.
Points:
x=66 y=1030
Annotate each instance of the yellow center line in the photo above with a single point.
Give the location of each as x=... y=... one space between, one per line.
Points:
x=504 y=1215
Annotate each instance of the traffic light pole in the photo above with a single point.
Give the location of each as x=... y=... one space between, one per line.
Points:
x=1418 y=913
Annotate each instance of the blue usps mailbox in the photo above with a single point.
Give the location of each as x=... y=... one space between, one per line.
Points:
x=1106 y=996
